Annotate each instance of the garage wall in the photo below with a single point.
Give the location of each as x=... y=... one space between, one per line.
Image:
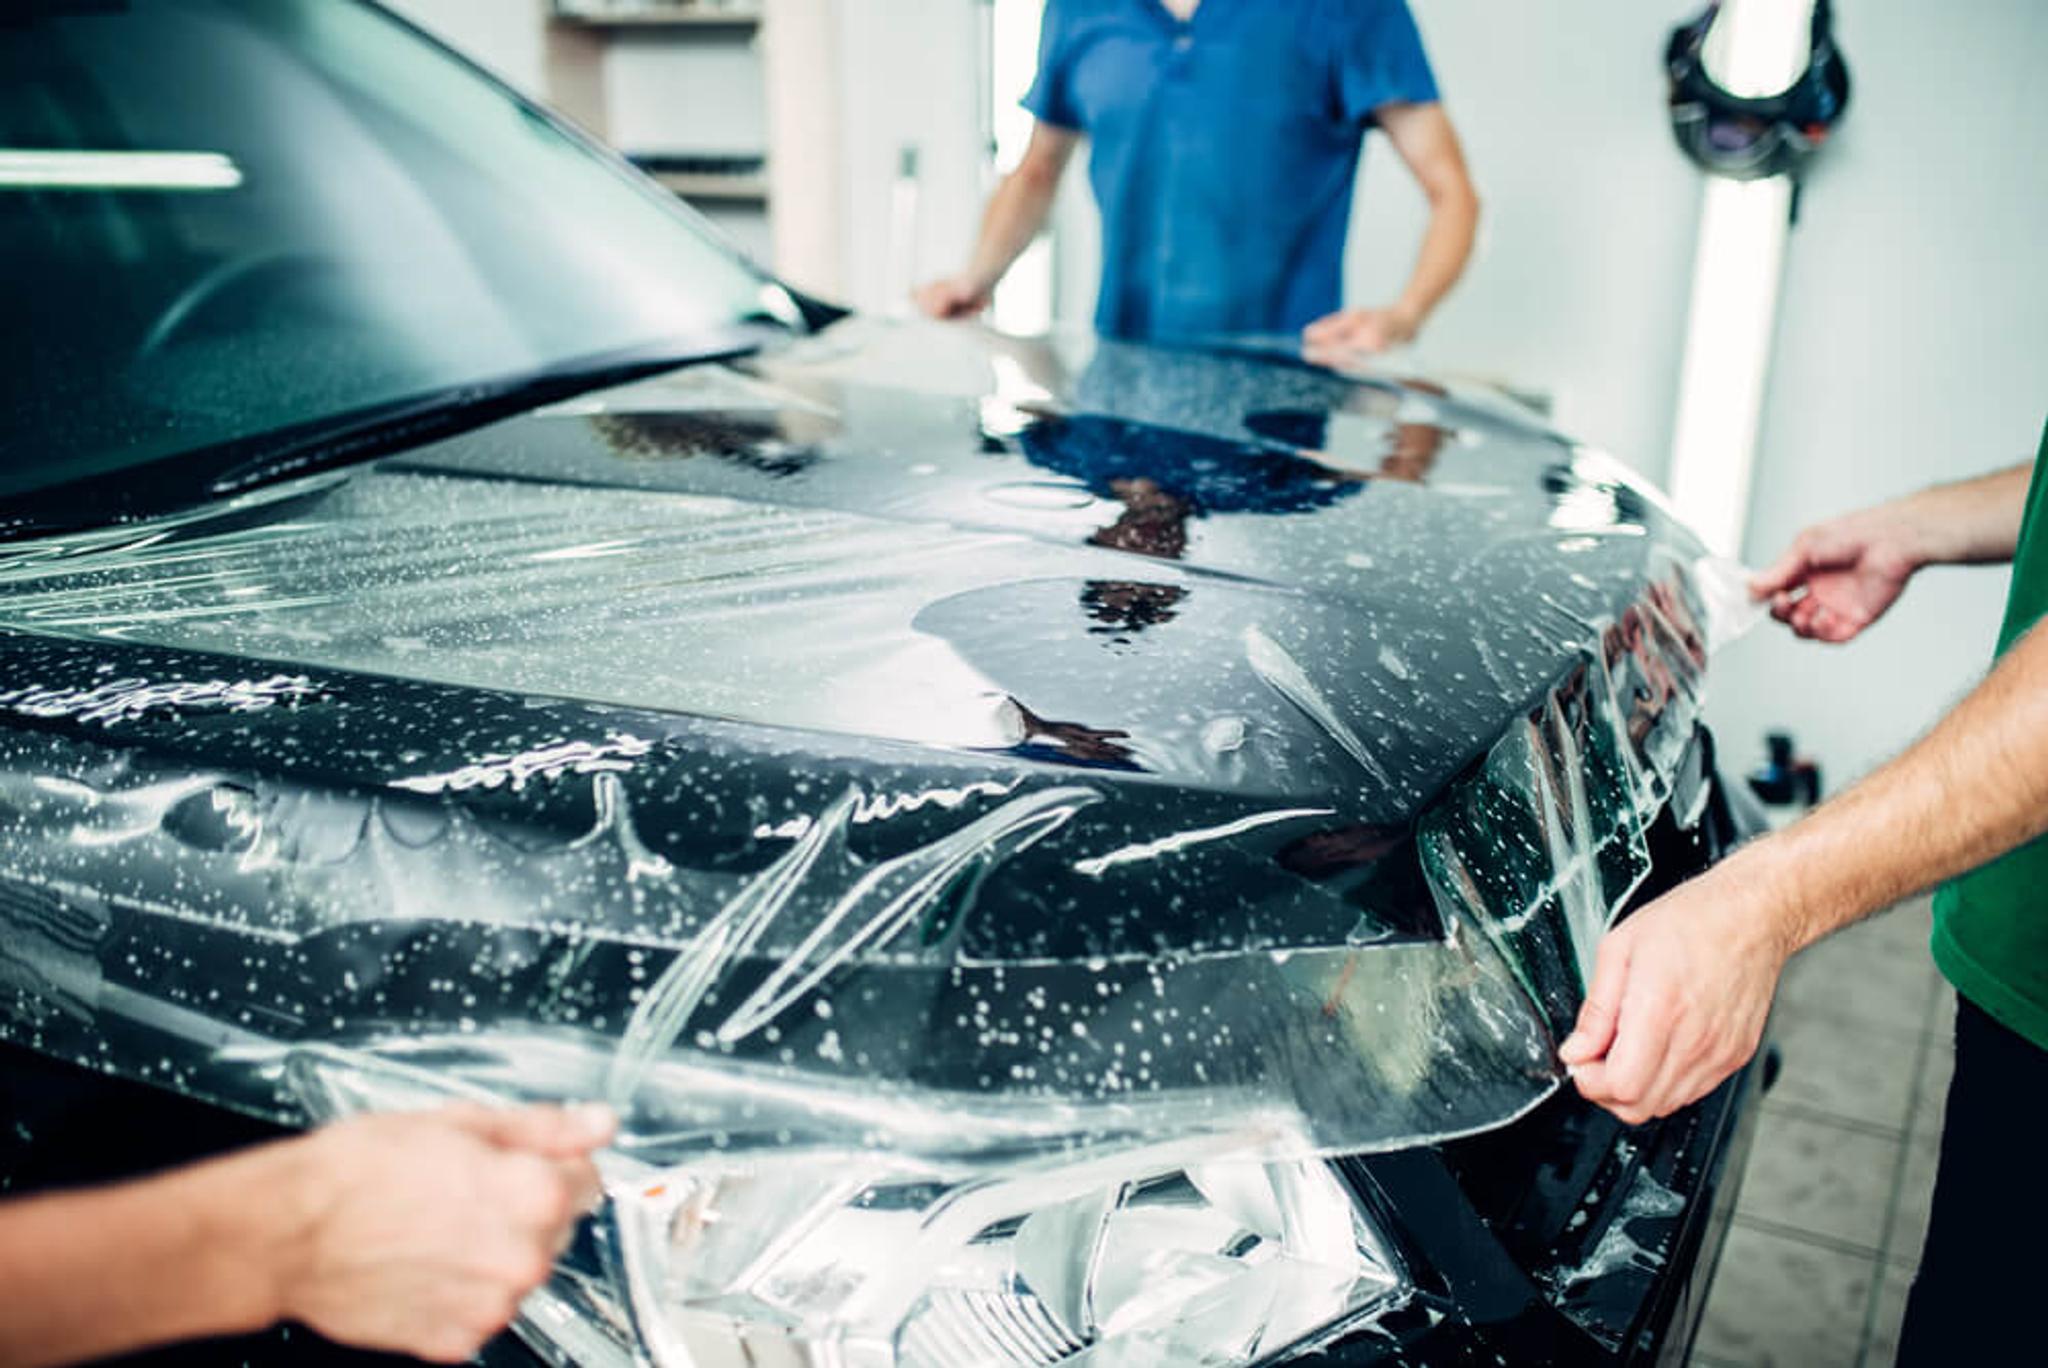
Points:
x=507 y=36
x=700 y=95
x=1912 y=347
x=910 y=76
x=1579 y=283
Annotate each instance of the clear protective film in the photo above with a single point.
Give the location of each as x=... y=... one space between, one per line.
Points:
x=988 y=846
x=864 y=984
x=1730 y=609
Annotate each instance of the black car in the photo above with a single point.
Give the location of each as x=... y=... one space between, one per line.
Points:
x=1061 y=851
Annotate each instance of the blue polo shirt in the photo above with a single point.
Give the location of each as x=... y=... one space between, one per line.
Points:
x=1223 y=149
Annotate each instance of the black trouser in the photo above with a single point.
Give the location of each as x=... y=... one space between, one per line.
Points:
x=1983 y=1283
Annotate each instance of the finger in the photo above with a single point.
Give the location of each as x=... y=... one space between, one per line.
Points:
x=1837 y=627
x=1596 y=1085
x=1590 y=1079
x=552 y=1132
x=1837 y=630
x=1823 y=623
x=586 y=1189
x=1642 y=1040
x=1803 y=614
x=521 y=1195
x=1781 y=575
x=1686 y=1058
x=1599 y=1015
x=1347 y=331
x=559 y=1205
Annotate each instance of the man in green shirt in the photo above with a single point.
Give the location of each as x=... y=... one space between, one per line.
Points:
x=1681 y=989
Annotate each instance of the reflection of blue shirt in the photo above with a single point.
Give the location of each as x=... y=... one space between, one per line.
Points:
x=1223 y=150
x=1207 y=474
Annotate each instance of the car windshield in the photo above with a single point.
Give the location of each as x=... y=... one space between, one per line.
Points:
x=221 y=219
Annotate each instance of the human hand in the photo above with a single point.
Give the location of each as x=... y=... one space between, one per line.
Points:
x=956 y=296
x=420 y=1232
x=1680 y=994
x=1840 y=576
x=1372 y=330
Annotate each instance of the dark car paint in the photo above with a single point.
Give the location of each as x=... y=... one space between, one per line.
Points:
x=1490 y=554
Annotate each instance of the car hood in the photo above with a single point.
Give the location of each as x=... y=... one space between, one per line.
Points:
x=908 y=736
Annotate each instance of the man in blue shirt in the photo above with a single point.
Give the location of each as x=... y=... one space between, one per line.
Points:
x=1224 y=141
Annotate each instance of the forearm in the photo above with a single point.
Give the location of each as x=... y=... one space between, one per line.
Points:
x=1970 y=522
x=1016 y=214
x=187 y=1254
x=1973 y=788
x=1446 y=247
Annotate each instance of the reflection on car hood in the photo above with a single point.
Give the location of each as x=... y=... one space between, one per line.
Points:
x=909 y=736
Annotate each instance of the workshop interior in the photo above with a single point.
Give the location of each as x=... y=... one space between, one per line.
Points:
x=1066 y=656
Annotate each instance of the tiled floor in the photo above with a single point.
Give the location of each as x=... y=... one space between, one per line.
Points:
x=1834 y=1205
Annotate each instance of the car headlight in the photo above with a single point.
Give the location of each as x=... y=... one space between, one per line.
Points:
x=1178 y=1254
x=1201 y=1251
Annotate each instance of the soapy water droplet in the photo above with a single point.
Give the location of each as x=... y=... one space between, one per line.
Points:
x=1223 y=735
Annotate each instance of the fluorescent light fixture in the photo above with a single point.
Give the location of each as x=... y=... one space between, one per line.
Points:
x=1734 y=312
x=38 y=170
x=1758 y=47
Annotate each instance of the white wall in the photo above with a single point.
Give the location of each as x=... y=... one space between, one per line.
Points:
x=507 y=36
x=801 y=71
x=1912 y=347
x=910 y=75
x=698 y=91
x=1579 y=283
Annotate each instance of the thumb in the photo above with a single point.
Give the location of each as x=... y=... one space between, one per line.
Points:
x=548 y=1131
x=1594 y=1032
x=1781 y=574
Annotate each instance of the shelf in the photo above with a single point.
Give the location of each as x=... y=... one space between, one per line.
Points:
x=662 y=19
x=700 y=185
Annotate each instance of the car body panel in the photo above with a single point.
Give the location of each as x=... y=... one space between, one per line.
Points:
x=757 y=783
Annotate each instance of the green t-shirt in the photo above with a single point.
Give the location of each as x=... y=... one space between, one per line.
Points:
x=1991 y=925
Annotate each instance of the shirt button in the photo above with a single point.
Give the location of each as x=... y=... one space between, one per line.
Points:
x=1183 y=43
